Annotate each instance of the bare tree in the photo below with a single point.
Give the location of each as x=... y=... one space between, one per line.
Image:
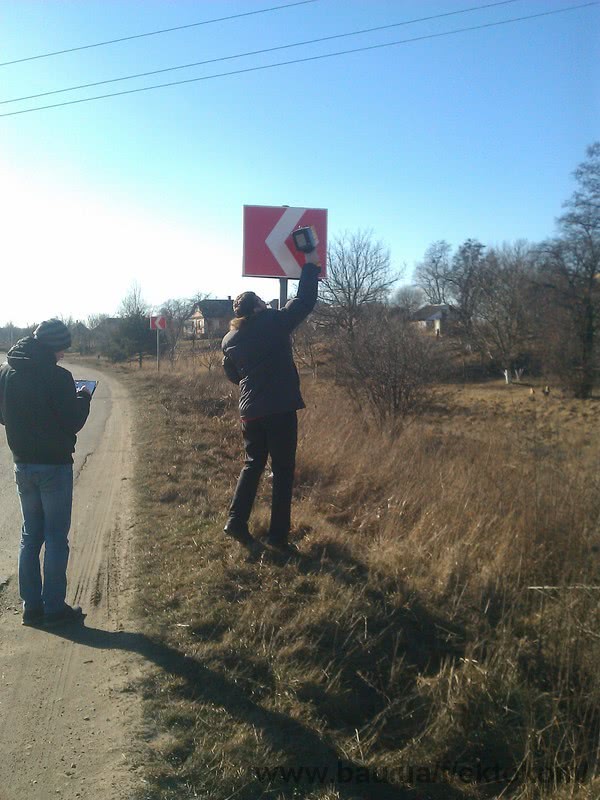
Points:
x=135 y=336
x=388 y=366
x=102 y=329
x=431 y=274
x=464 y=285
x=209 y=354
x=177 y=312
x=358 y=273
x=133 y=304
x=10 y=333
x=571 y=268
x=556 y=339
x=409 y=299
x=96 y=319
x=81 y=338
x=307 y=345
x=503 y=321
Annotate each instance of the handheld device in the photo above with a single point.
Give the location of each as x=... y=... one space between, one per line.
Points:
x=305 y=239
x=86 y=384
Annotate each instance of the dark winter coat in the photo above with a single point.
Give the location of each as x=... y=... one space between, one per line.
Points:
x=39 y=406
x=258 y=355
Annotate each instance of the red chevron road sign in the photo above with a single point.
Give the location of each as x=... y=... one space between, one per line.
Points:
x=158 y=323
x=268 y=245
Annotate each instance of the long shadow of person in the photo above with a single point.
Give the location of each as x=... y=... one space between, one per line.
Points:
x=296 y=740
x=430 y=638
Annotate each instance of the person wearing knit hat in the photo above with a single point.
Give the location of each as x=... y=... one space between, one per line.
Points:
x=54 y=334
x=257 y=355
x=42 y=413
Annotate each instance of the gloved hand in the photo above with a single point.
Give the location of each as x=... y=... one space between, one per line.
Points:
x=312 y=258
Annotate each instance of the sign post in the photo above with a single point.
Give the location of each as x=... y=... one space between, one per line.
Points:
x=158 y=324
x=283 y=292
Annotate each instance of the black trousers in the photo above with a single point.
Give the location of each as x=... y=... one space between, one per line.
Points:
x=275 y=436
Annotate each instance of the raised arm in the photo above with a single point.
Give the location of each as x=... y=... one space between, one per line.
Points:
x=300 y=307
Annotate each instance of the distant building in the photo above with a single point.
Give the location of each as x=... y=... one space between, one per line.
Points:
x=435 y=318
x=209 y=319
x=81 y=337
x=103 y=332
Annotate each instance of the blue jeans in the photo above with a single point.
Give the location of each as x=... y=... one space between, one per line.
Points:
x=46 y=496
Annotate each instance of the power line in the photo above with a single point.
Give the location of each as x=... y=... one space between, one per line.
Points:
x=304 y=60
x=156 y=33
x=255 y=52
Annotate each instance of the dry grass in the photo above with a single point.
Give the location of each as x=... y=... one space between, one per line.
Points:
x=404 y=637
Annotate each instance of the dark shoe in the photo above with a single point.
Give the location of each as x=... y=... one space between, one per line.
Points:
x=282 y=545
x=33 y=617
x=239 y=531
x=70 y=615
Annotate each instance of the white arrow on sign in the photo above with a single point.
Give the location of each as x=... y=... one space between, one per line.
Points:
x=275 y=241
x=158 y=323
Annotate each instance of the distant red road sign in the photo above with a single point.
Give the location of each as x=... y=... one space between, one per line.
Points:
x=269 y=250
x=158 y=323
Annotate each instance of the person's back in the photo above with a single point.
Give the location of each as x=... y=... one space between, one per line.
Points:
x=42 y=413
x=261 y=351
x=258 y=357
x=39 y=406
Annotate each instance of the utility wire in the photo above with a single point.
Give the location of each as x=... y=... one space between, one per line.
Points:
x=256 y=52
x=155 y=33
x=305 y=60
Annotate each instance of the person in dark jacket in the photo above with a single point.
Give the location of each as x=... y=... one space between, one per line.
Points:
x=42 y=413
x=258 y=357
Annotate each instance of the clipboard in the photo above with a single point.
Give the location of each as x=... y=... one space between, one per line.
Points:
x=86 y=384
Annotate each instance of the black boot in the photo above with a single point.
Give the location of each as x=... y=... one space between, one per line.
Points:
x=239 y=531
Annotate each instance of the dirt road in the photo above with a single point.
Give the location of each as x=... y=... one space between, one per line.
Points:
x=66 y=717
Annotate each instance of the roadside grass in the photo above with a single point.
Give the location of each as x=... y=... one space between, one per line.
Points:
x=402 y=653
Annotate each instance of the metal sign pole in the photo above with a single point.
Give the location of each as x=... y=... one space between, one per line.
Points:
x=283 y=292
x=157 y=349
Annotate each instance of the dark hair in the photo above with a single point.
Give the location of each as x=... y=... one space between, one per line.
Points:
x=243 y=308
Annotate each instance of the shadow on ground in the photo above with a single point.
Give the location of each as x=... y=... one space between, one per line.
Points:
x=204 y=685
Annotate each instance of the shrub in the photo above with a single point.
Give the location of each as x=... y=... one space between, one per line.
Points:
x=388 y=366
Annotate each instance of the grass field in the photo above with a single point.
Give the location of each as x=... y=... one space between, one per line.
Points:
x=403 y=653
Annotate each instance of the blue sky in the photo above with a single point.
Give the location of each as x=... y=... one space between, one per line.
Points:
x=470 y=135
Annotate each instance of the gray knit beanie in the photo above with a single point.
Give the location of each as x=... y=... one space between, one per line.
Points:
x=54 y=334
